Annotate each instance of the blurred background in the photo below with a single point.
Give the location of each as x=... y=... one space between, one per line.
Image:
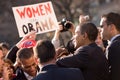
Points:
x=63 y=8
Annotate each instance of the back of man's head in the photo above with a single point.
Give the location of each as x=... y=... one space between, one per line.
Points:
x=44 y=50
x=90 y=29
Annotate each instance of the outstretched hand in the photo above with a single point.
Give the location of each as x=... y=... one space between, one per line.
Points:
x=30 y=36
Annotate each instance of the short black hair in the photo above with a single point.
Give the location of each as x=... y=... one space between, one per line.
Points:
x=70 y=46
x=44 y=50
x=113 y=18
x=4 y=45
x=25 y=53
x=90 y=29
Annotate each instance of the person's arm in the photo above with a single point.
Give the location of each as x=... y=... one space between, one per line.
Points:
x=56 y=40
x=78 y=60
x=11 y=55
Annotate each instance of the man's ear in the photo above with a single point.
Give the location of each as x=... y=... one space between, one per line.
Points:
x=112 y=28
x=85 y=35
x=37 y=60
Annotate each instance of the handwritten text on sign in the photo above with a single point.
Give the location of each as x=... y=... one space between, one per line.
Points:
x=40 y=17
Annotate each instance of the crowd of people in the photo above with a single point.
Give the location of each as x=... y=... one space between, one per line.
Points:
x=92 y=53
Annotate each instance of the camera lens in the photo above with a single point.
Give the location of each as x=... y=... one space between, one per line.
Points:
x=65 y=25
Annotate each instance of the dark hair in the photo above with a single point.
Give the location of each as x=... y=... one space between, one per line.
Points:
x=90 y=29
x=113 y=18
x=25 y=53
x=70 y=46
x=1 y=48
x=4 y=45
x=45 y=50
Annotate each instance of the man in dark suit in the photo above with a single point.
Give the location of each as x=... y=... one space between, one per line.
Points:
x=88 y=57
x=46 y=54
x=28 y=66
x=25 y=56
x=111 y=31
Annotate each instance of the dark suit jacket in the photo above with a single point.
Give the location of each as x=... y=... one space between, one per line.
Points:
x=114 y=58
x=20 y=75
x=90 y=59
x=53 y=72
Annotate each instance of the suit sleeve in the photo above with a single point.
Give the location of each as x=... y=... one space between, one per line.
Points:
x=12 y=54
x=79 y=59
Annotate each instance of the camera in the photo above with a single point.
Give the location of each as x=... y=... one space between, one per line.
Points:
x=66 y=25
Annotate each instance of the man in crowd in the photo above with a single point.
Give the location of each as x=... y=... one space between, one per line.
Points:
x=28 y=66
x=88 y=57
x=26 y=57
x=111 y=31
x=46 y=54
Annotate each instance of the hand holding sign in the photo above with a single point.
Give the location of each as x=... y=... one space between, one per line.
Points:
x=27 y=39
